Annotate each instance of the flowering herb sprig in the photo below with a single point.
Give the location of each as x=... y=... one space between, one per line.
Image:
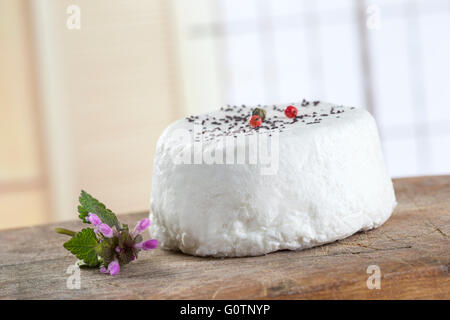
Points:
x=110 y=244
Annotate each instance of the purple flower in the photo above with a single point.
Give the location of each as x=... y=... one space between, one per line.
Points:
x=94 y=219
x=132 y=248
x=114 y=267
x=141 y=226
x=105 y=230
x=147 y=245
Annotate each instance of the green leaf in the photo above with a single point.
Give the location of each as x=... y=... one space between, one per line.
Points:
x=138 y=239
x=90 y=204
x=126 y=256
x=125 y=239
x=106 y=250
x=83 y=245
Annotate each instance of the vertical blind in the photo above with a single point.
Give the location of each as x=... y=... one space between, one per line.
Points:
x=390 y=57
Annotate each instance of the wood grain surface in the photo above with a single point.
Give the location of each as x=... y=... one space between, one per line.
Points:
x=411 y=250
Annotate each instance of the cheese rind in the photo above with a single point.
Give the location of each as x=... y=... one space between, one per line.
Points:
x=330 y=182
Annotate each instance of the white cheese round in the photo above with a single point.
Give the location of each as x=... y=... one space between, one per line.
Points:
x=322 y=179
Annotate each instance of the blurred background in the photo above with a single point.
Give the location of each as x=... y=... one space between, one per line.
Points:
x=87 y=87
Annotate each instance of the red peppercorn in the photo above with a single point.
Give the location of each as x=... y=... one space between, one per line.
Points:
x=290 y=111
x=255 y=121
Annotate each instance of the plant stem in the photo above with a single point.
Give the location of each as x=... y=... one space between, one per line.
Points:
x=66 y=232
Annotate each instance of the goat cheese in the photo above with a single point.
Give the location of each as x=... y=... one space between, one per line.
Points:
x=222 y=188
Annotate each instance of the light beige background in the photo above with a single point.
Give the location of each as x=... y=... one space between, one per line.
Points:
x=82 y=108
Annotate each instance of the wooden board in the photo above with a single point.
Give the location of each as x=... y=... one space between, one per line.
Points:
x=411 y=250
